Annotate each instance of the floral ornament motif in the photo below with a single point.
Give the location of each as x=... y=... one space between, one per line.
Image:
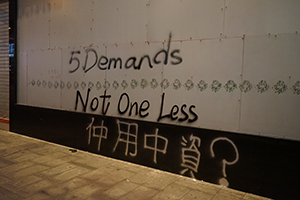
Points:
x=176 y=84
x=202 y=85
x=69 y=85
x=144 y=83
x=76 y=85
x=188 y=85
x=38 y=83
x=106 y=85
x=280 y=87
x=91 y=85
x=62 y=85
x=262 y=86
x=56 y=84
x=230 y=86
x=133 y=83
x=98 y=85
x=32 y=82
x=44 y=83
x=246 y=86
x=296 y=88
x=83 y=85
x=216 y=86
x=165 y=83
x=50 y=84
x=124 y=84
x=115 y=85
x=153 y=83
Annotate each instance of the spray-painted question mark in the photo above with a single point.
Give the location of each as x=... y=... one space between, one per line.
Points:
x=223 y=181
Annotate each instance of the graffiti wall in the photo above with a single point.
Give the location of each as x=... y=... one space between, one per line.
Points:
x=222 y=65
x=175 y=78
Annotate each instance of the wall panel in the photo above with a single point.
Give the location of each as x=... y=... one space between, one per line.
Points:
x=199 y=77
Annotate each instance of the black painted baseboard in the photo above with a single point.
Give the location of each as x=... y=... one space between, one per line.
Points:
x=254 y=164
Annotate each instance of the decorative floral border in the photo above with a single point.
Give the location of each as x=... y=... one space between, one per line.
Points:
x=215 y=86
x=262 y=86
x=296 y=88
x=230 y=86
x=245 y=86
x=202 y=85
x=280 y=87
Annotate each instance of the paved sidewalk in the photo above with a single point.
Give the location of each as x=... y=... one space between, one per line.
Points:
x=34 y=169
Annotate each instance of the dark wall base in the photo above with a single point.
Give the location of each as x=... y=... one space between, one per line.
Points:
x=259 y=165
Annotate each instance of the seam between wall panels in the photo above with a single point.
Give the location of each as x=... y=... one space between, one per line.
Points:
x=241 y=93
x=49 y=30
x=224 y=11
x=147 y=20
x=27 y=81
x=61 y=73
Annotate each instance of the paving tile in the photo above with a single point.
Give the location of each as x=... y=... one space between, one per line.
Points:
x=123 y=173
x=45 y=150
x=26 y=181
x=54 y=162
x=56 y=192
x=249 y=196
x=140 y=193
x=35 y=144
x=120 y=189
x=99 y=173
x=39 y=196
x=71 y=173
x=143 y=176
x=16 y=155
x=82 y=192
x=85 y=165
x=4 y=180
x=115 y=177
x=58 y=169
x=34 y=188
x=4 y=162
x=15 y=167
x=125 y=165
x=42 y=159
x=230 y=192
x=199 y=185
x=29 y=171
x=173 y=191
x=100 y=195
x=76 y=182
x=109 y=180
x=60 y=155
x=159 y=180
x=8 y=151
x=6 y=194
x=197 y=195
x=91 y=161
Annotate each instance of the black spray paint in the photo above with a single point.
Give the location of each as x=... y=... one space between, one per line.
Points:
x=105 y=63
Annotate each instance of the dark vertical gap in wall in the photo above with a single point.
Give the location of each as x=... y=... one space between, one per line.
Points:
x=13 y=10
